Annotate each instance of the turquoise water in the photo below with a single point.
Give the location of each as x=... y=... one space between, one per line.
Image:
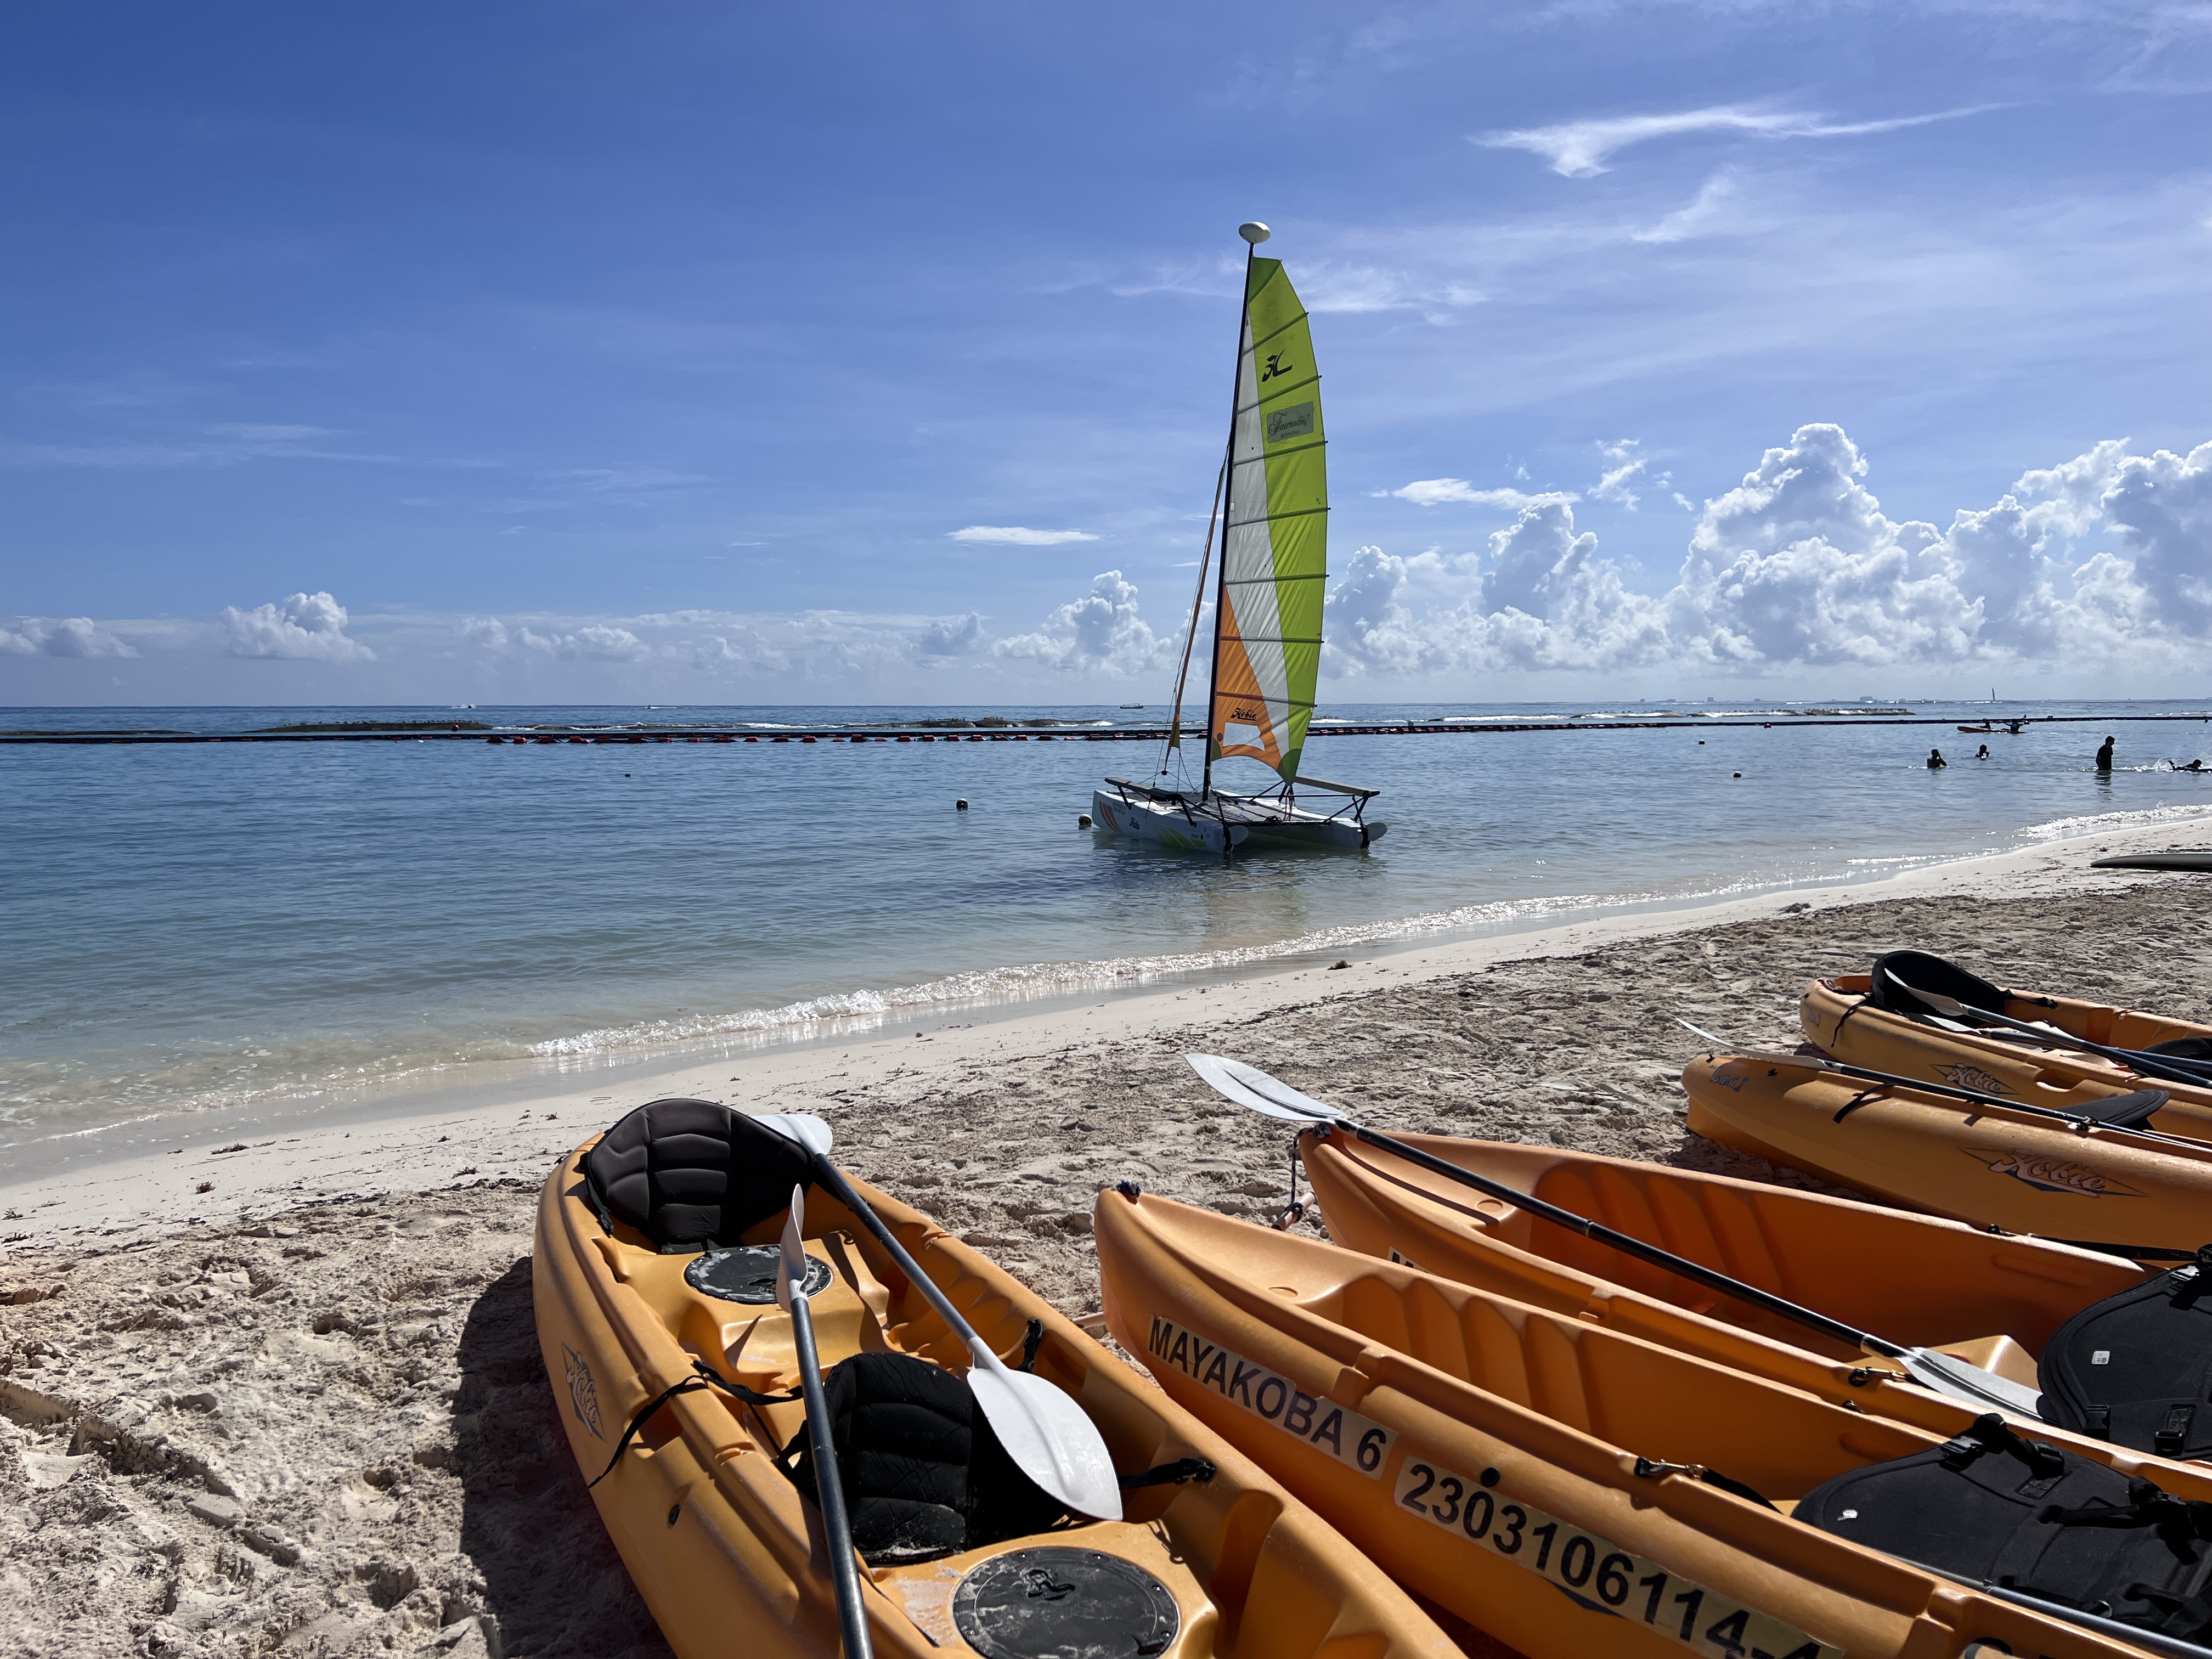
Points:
x=200 y=927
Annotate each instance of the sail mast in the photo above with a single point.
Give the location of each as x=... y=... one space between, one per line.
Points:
x=1254 y=233
x=1197 y=608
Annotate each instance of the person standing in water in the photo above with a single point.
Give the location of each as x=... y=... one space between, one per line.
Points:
x=1983 y=753
x=1936 y=760
x=2105 y=755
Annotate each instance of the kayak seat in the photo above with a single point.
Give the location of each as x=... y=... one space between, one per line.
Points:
x=2033 y=1517
x=2122 y=1112
x=923 y=1474
x=691 y=1173
x=1894 y=969
x=2135 y=1368
x=2188 y=1047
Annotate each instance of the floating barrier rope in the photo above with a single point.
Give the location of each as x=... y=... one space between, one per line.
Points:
x=1118 y=734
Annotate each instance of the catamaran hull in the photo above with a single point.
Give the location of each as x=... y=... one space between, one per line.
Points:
x=1326 y=832
x=1177 y=829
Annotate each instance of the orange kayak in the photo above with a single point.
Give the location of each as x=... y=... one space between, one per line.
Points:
x=1992 y=1301
x=1534 y=1474
x=728 y=1554
x=1842 y=1018
x=1985 y=1166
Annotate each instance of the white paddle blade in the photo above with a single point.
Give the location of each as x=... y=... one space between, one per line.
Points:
x=1050 y=1438
x=1946 y=1374
x=1253 y=1089
x=791 y=1278
x=808 y=1130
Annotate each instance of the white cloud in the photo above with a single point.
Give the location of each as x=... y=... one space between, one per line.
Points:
x=595 y=643
x=1434 y=492
x=954 y=636
x=1704 y=213
x=1798 y=566
x=1580 y=149
x=1101 y=632
x=1018 y=536
x=306 y=625
x=1613 y=484
x=59 y=636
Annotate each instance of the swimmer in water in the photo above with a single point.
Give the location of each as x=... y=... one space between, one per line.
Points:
x=1936 y=760
x=1983 y=753
x=2105 y=755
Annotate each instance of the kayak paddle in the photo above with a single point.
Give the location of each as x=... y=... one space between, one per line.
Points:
x=2120 y=1113
x=2134 y=1059
x=1252 y=1088
x=1042 y=1429
x=836 y=1525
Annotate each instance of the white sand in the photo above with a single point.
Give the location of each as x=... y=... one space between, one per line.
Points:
x=265 y=1414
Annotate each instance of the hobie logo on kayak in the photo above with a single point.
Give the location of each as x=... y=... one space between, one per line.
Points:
x=1972 y=1077
x=581 y=1394
x=1356 y=1442
x=2050 y=1175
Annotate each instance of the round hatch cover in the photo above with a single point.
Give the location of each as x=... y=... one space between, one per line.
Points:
x=748 y=1273
x=1057 y=1603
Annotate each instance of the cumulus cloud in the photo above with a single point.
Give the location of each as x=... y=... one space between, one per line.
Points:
x=1580 y=149
x=304 y=626
x=1101 y=632
x=59 y=636
x=1014 y=535
x=838 y=646
x=1799 y=566
x=1434 y=492
x=954 y=636
x=595 y=643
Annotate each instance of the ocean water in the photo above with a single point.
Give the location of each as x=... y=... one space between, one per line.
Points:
x=197 y=928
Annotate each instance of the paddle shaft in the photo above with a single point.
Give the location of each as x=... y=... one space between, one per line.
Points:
x=2072 y=1120
x=834 y=1178
x=2134 y=1059
x=1600 y=1233
x=2149 y=1641
x=836 y=1525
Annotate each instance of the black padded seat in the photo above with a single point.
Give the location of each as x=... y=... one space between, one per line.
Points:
x=689 y=1174
x=1924 y=972
x=923 y=1474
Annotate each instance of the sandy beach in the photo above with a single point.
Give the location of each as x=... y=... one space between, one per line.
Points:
x=287 y=1394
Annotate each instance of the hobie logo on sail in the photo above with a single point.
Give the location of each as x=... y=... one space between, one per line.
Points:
x=1357 y=1442
x=2050 y=1175
x=1296 y=421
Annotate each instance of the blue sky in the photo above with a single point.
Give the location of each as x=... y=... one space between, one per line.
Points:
x=584 y=351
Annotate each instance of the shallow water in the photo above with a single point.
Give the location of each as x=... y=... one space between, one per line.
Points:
x=202 y=926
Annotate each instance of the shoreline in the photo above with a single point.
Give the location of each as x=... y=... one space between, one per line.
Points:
x=318 y=1414
x=263 y=1160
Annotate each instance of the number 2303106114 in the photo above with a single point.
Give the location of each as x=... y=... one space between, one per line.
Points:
x=1601 y=1576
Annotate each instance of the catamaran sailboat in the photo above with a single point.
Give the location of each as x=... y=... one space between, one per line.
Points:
x=1267 y=608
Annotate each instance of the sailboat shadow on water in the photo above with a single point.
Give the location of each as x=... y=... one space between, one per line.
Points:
x=1267 y=605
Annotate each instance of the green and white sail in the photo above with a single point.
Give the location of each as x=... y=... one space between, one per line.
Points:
x=1275 y=544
